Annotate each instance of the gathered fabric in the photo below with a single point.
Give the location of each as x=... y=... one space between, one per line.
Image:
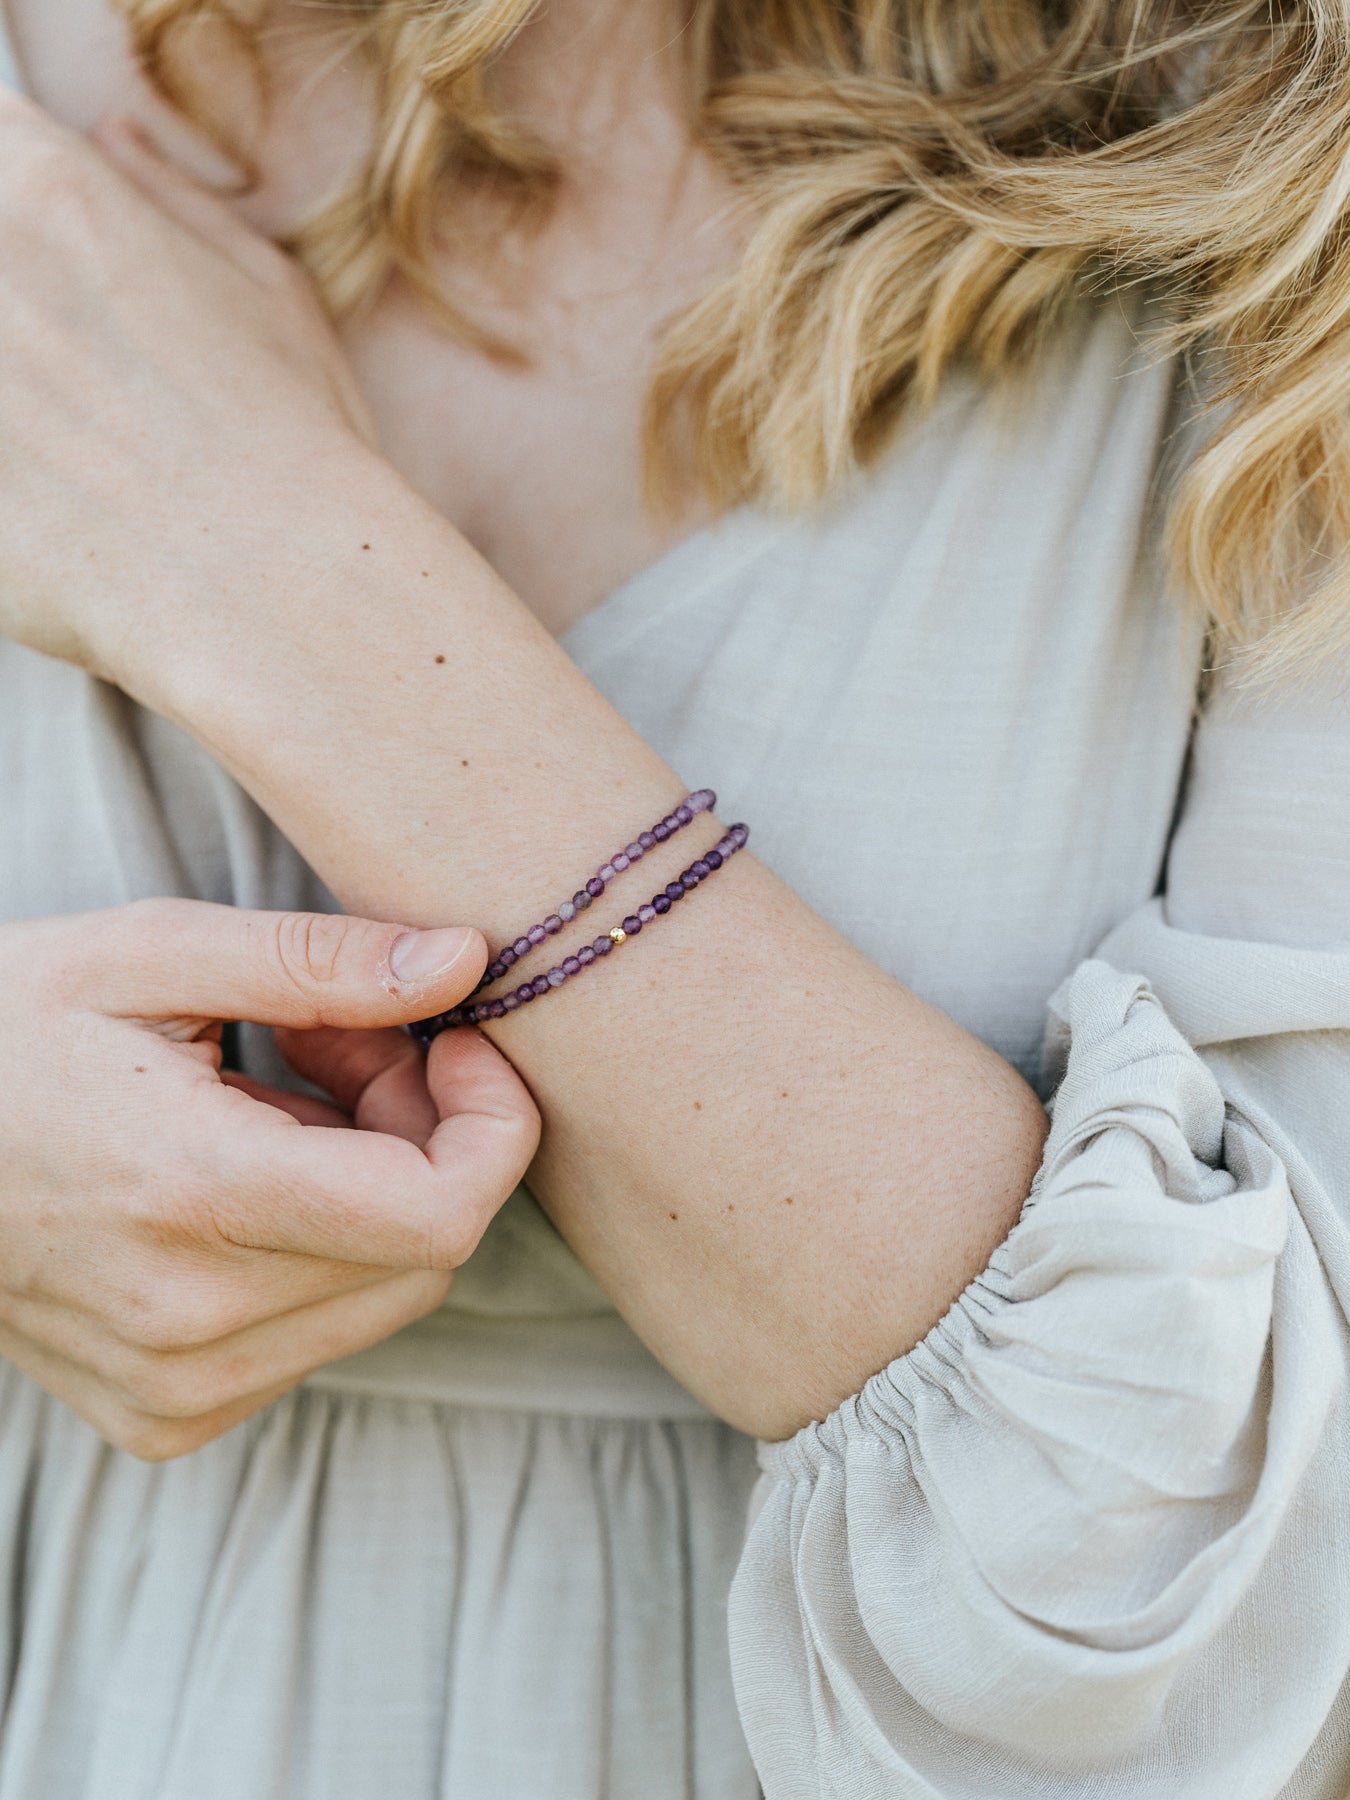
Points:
x=354 y=1596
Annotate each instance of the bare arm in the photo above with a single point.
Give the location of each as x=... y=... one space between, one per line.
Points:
x=781 y=1164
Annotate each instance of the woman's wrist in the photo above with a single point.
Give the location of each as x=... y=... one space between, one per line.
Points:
x=370 y=680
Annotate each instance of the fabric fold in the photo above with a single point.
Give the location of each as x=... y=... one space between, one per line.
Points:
x=1069 y=1518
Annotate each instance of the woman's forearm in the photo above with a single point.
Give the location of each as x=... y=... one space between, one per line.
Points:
x=780 y=1164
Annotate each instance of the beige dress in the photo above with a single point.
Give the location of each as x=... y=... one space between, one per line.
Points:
x=1090 y=1537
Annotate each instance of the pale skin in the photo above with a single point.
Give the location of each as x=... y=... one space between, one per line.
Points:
x=781 y=1164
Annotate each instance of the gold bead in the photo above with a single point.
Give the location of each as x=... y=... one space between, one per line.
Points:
x=619 y=935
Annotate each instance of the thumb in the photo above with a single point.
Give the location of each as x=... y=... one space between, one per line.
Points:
x=173 y=959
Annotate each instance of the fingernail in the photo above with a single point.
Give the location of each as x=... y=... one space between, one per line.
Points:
x=425 y=955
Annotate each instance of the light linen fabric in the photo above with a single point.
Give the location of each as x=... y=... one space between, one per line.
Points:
x=1088 y=1539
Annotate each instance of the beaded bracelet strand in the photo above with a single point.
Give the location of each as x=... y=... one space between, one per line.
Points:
x=700 y=801
x=475 y=1013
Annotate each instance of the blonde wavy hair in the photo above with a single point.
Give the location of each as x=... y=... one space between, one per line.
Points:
x=934 y=181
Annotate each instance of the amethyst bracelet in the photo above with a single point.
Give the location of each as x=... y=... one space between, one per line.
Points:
x=700 y=801
x=476 y=1013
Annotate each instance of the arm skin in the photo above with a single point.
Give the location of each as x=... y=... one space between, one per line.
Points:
x=780 y=1164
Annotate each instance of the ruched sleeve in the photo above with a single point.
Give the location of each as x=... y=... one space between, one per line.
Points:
x=1091 y=1537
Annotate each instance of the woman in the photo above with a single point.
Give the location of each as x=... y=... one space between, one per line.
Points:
x=1053 y=1478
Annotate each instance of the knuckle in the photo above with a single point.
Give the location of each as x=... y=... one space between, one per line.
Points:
x=153 y=1440
x=429 y=1292
x=164 y=1211
x=177 y=1388
x=156 y=915
x=161 y=1323
x=310 y=947
x=450 y=1242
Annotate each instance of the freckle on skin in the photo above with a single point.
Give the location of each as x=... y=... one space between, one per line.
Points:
x=788 y=1201
x=463 y=762
x=731 y=1206
x=140 y=1068
x=783 y=1095
x=440 y=659
x=698 y=1106
x=365 y=546
x=674 y=1215
x=425 y=574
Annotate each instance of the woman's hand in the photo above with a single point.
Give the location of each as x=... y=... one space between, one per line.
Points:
x=172 y=392
x=178 y=1248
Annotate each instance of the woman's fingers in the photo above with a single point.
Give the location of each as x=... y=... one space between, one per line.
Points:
x=129 y=147
x=182 y=1247
x=364 y=1196
x=304 y=1108
x=119 y=1424
x=207 y=214
x=378 y=1077
x=209 y=1380
x=164 y=960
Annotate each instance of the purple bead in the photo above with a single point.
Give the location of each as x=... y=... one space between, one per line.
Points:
x=603 y=945
x=632 y=925
x=661 y=903
x=701 y=800
x=620 y=863
x=567 y=912
x=525 y=994
x=586 y=956
x=739 y=834
x=497 y=1009
x=508 y=956
x=536 y=934
x=595 y=887
x=475 y=1013
x=702 y=868
x=511 y=1002
x=493 y=972
x=661 y=832
x=606 y=872
x=580 y=900
x=555 y=977
x=553 y=924
x=671 y=823
x=647 y=913
x=713 y=859
x=689 y=881
x=683 y=814
x=522 y=946
x=571 y=965
x=634 y=853
x=540 y=984
x=675 y=890
x=647 y=839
